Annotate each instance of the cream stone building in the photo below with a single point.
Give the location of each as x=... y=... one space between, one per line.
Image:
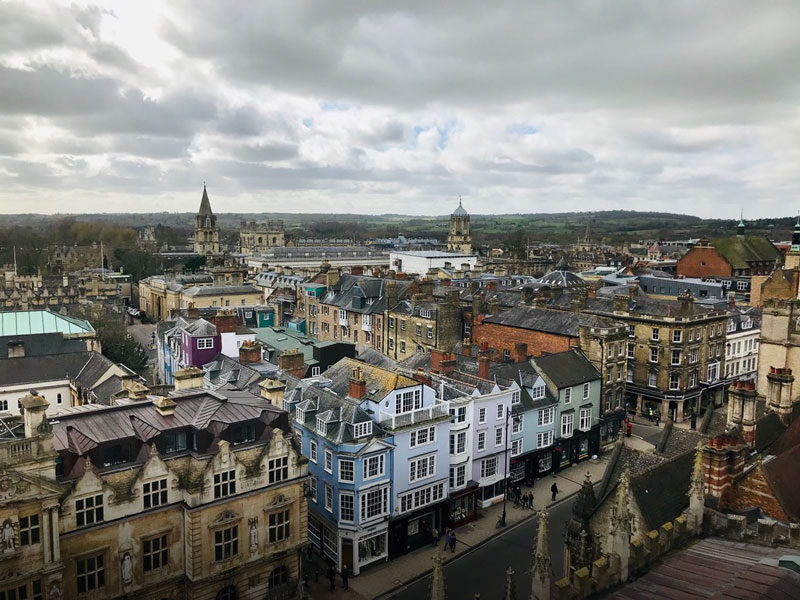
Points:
x=199 y=495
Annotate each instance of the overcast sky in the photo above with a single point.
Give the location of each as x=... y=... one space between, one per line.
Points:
x=367 y=106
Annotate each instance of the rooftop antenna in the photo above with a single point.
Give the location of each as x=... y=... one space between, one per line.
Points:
x=15 y=261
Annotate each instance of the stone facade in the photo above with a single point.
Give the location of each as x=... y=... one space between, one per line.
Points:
x=258 y=237
x=422 y=325
x=206 y=232
x=459 y=238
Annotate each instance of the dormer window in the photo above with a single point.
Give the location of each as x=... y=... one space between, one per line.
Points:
x=243 y=433
x=300 y=415
x=322 y=426
x=537 y=392
x=732 y=326
x=747 y=324
x=362 y=429
x=425 y=313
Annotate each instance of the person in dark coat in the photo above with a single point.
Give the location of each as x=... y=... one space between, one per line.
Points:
x=447 y=540
x=332 y=576
x=452 y=541
x=345 y=576
x=554 y=490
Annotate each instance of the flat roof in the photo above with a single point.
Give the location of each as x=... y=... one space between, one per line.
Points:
x=434 y=254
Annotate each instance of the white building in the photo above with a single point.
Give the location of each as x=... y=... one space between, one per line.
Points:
x=420 y=262
x=741 y=347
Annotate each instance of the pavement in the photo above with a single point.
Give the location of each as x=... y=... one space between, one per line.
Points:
x=405 y=576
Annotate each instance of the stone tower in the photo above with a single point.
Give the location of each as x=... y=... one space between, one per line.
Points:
x=206 y=232
x=779 y=393
x=459 y=238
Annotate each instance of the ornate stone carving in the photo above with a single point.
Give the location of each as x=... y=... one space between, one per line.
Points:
x=8 y=538
x=11 y=483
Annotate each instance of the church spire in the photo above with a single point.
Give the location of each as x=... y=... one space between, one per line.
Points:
x=437 y=579
x=205 y=205
x=541 y=569
x=740 y=226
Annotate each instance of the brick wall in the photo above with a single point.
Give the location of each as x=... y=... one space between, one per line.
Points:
x=503 y=337
x=754 y=490
x=704 y=261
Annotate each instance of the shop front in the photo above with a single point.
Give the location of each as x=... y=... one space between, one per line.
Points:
x=462 y=507
x=611 y=425
x=416 y=529
x=526 y=468
x=579 y=447
x=363 y=547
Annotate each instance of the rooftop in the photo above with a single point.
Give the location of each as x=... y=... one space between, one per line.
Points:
x=33 y=322
x=433 y=254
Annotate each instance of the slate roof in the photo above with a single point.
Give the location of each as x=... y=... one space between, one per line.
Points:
x=661 y=492
x=783 y=473
x=81 y=428
x=380 y=382
x=740 y=251
x=220 y=290
x=366 y=295
x=225 y=370
x=31 y=322
x=43 y=343
x=559 y=322
x=35 y=369
x=566 y=369
x=377 y=359
x=205 y=207
x=768 y=429
x=640 y=304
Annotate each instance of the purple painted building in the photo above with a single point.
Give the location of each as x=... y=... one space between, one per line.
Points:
x=188 y=344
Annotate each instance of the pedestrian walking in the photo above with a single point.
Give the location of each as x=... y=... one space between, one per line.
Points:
x=554 y=490
x=447 y=540
x=650 y=414
x=530 y=500
x=517 y=496
x=332 y=576
x=345 y=576
x=434 y=537
x=453 y=542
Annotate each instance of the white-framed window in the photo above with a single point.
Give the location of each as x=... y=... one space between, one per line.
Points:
x=422 y=437
x=458 y=442
x=458 y=415
x=498 y=436
x=312 y=451
x=515 y=397
x=481 y=440
x=205 y=343
x=300 y=415
x=693 y=379
x=312 y=486
x=429 y=331
x=537 y=392
x=544 y=439
x=402 y=346
x=328 y=498
x=362 y=429
x=546 y=416
x=516 y=425
x=631 y=330
x=322 y=426
x=654 y=334
x=653 y=355
x=620 y=349
x=328 y=461
x=315 y=371
x=586 y=388
x=500 y=411
x=407 y=401
x=224 y=483
x=699 y=333
x=585 y=416
x=516 y=447
x=506 y=355
x=610 y=374
x=458 y=476
x=611 y=351
x=691 y=334
x=421 y=468
x=567 y=395
x=741 y=286
x=674 y=381
x=676 y=357
x=652 y=379
x=631 y=348
x=373 y=503
x=346 y=470
x=629 y=375
x=374 y=466
x=421 y=497
x=567 y=424
x=489 y=467
x=419 y=330
x=154 y=493
x=482 y=415
x=713 y=372
x=425 y=313
x=346 y=507
x=677 y=335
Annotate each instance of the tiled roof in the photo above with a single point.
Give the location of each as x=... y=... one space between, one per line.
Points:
x=220 y=290
x=739 y=251
x=380 y=382
x=661 y=491
x=566 y=369
x=35 y=369
x=560 y=322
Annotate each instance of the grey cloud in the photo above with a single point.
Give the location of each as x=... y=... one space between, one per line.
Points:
x=266 y=152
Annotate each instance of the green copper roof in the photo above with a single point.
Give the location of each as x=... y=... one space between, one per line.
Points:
x=739 y=251
x=31 y=322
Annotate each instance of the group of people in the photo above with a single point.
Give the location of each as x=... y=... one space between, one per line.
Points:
x=525 y=500
x=345 y=573
x=654 y=416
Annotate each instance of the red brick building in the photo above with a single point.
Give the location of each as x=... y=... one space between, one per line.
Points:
x=734 y=256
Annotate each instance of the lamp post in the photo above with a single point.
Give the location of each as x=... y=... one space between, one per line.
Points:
x=505 y=467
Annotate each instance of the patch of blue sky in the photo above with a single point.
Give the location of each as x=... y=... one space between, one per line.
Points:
x=334 y=107
x=308 y=122
x=522 y=129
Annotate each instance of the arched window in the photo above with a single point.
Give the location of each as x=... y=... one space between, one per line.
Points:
x=228 y=593
x=278 y=577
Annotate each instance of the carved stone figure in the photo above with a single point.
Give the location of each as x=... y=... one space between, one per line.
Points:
x=54 y=593
x=8 y=537
x=127 y=568
x=253 y=535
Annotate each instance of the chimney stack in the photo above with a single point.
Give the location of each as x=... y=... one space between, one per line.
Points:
x=188 y=378
x=272 y=391
x=292 y=361
x=250 y=352
x=742 y=409
x=483 y=361
x=358 y=385
x=34 y=413
x=520 y=352
x=165 y=406
x=779 y=392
